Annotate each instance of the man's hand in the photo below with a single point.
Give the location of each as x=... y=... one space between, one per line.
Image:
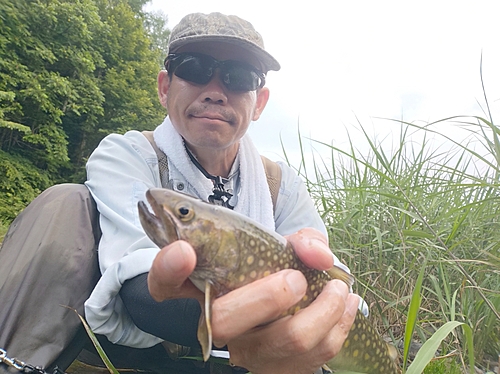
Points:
x=246 y=319
x=168 y=277
x=294 y=344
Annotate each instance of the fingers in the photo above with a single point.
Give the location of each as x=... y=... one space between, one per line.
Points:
x=308 y=327
x=321 y=316
x=311 y=247
x=331 y=345
x=260 y=302
x=167 y=278
x=248 y=319
x=299 y=343
x=337 y=335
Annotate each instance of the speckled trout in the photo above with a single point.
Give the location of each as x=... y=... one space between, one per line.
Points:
x=233 y=250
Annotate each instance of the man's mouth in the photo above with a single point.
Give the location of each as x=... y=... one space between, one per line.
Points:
x=210 y=117
x=211 y=114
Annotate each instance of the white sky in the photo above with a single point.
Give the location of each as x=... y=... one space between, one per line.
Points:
x=349 y=61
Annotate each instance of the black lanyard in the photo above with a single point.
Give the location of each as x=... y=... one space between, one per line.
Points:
x=220 y=196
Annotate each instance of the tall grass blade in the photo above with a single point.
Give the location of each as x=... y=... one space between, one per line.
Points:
x=411 y=321
x=96 y=343
x=484 y=90
x=427 y=351
x=453 y=304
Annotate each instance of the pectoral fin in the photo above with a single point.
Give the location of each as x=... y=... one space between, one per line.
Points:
x=205 y=326
x=326 y=368
x=175 y=351
x=393 y=352
x=338 y=273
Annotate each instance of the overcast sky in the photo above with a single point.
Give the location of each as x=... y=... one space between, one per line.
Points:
x=349 y=61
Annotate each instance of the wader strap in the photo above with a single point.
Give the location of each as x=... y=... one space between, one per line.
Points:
x=273 y=175
x=162 y=159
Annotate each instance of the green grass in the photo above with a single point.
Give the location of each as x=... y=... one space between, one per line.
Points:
x=448 y=366
x=390 y=212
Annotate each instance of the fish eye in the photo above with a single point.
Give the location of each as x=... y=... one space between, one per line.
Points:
x=185 y=211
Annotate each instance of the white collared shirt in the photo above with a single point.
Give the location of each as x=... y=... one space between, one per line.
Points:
x=119 y=173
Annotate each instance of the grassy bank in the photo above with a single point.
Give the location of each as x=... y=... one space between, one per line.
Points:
x=389 y=212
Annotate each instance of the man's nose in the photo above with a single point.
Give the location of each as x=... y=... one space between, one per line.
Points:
x=215 y=90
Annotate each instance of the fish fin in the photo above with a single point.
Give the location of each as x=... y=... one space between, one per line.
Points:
x=393 y=352
x=175 y=351
x=326 y=368
x=337 y=273
x=205 y=324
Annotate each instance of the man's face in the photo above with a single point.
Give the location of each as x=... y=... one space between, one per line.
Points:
x=209 y=115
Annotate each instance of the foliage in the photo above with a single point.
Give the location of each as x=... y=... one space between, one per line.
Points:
x=71 y=72
x=447 y=366
x=428 y=349
x=21 y=183
x=3 y=231
x=388 y=214
x=156 y=23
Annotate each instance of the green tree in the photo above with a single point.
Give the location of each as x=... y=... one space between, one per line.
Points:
x=127 y=81
x=156 y=24
x=46 y=66
x=71 y=71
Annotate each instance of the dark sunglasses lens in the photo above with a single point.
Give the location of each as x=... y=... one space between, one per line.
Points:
x=195 y=69
x=238 y=77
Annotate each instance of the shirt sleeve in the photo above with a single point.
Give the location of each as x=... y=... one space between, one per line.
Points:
x=119 y=172
x=295 y=209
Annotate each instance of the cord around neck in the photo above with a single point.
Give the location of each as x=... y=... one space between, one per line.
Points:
x=220 y=195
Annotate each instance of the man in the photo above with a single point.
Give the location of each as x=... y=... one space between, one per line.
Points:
x=212 y=88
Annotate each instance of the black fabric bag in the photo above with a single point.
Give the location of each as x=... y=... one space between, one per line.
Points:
x=48 y=260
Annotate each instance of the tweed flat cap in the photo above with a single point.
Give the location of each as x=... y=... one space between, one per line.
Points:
x=217 y=27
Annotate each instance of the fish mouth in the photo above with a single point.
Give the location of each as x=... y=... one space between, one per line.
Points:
x=159 y=226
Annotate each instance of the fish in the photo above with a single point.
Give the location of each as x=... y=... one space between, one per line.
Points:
x=232 y=250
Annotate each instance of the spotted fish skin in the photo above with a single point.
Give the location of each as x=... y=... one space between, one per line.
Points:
x=233 y=250
x=364 y=351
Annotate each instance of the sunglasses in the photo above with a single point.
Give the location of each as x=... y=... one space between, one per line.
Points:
x=199 y=68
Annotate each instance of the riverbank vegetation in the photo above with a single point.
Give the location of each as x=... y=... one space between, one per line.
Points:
x=427 y=201
x=71 y=72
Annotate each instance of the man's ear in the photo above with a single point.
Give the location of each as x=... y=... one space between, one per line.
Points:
x=260 y=104
x=163 y=86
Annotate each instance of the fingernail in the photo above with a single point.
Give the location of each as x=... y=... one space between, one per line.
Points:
x=174 y=259
x=353 y=303
x=318 y=243
x=321 y=244
x=310 y=241
x=296 y=282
